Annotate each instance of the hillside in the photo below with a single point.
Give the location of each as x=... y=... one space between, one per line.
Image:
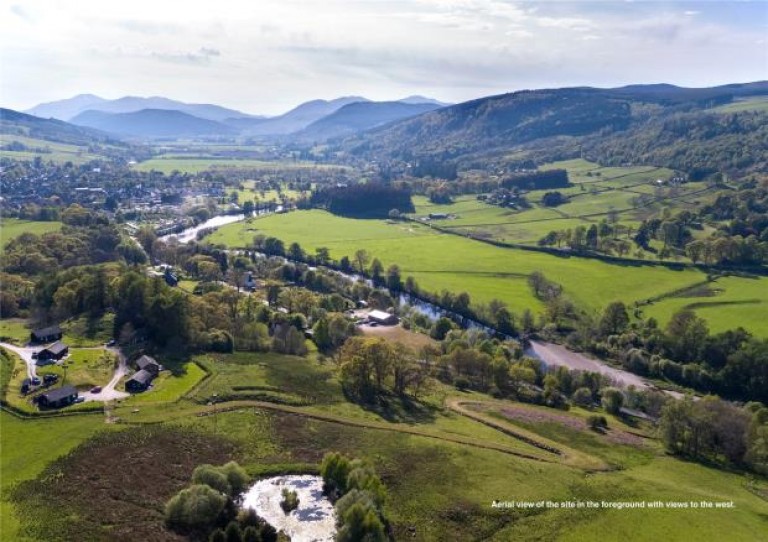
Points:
x=499 y=124
x=152 y=123
x=70 y=108
x=360 y=116
x=20 y=124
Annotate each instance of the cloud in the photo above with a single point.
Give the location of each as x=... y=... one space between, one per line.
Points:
x=20 y=12
x=149 y=27
x=200 y=57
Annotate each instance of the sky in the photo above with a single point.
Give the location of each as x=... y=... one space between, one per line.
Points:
x=266 y=56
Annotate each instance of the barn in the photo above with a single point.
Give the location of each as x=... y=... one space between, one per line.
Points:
x=58 y=398
x=149 y=364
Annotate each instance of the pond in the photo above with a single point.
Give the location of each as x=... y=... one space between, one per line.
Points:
x=313 y=521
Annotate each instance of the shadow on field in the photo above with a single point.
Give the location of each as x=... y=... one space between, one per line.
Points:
x=397 y=408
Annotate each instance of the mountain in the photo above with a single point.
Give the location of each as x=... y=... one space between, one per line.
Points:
x=296 y=119
x=360 y=116
x=68 y=109
x=16 y=123
x=555 y=123
x=423 y=100
x=152 y=123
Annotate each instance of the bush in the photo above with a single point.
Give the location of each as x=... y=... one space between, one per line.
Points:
x=236 y=476
x=582 y=397
x=334 y=469
x=233 y=532
x=612 y=400
x=194 y=508
x=597 y=423
x=211 y=476
x=290 y=501
x=462 y=384
x=217 y=536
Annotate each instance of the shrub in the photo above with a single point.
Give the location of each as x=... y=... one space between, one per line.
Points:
x=597 y=423
x=582 y=397
x=334 y=469
x=236 y=476
x=290 y=501
x=233 y=532
x=211 y=476
x=194 y=508
x=217 y=536
x=462 y=384
x=612 y=400
x=251 y=534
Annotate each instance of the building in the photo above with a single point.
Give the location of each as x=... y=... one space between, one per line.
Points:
x=139 y=382
x=53 y=352
x=382 y=318
x=58 y=398
x=149 y=364
x=250 y=282
x=46 y=334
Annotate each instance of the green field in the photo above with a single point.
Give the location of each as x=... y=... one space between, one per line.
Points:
x=11 y=228
x=726 y=303
x=170 y=386
x=51 y=150
x=628 y=192
x=441 y=261
x=757 y=103
x=442 y=469
x=169 y=163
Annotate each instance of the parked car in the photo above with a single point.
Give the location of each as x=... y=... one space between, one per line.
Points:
x=36 y=381
x=49 y=379
x=96 y=389
x=80 y=399
x=111 y=342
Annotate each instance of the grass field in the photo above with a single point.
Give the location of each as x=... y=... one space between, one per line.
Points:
x=14 y=330
x=442 y=469
x=628 y=192
x=170 y=386
x=167 y=164
x=440 y=261
x=727 y=303
x=11 y=228
x=757 y=103
x=85 y=368
x=51 y=151
x=27 y=447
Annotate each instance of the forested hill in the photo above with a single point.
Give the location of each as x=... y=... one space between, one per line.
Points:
x=653 y=121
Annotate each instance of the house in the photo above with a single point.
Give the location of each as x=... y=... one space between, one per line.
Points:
x=149 y=364
x=54 y=352
x=60 y=397
x=46 y=334
x=26 y=384
x=139 y=381
x=170 y=278
x=382 y=318
x=250 y=282
x=438 y=216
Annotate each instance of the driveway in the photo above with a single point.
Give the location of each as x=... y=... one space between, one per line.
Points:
x=108 y=392
x=25 y=353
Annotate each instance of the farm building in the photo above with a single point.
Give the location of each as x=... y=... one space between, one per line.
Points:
x=250 y=282
x=53 y=352
x=139 y=381
x=46 y=334
x=383 y=318
x=60 y=397
x=149 y=364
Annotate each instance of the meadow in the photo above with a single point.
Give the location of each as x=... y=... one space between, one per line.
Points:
x=441 y=261
x=757 y=103
x=11 y=228
x=196 y=164
x=442 y=469
x=628 y=194
x=47 y=150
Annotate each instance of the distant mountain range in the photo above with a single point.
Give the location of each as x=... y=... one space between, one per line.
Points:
x=152 y=123
x=14 y=122
x=161 y=117
x=70 y=108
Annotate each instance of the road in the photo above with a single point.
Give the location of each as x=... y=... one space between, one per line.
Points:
x=108 y=392
x=25 y=353
x=556 y=355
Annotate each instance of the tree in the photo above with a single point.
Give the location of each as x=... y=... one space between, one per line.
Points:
x=233 y=532
x=295 y=252
x=335 y=469
x=612 y=400
x=212 y=477
x=377 y=269
x=394 y=280
x=362 y=258
x=322 y=255
x=218 y=536
x=582 y=397
x=597 y=423
x=251 y=534
x=615 y=319
x=441 y=328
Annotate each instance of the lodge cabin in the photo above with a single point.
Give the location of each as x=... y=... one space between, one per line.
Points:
x=139 y=382
x=382 y=318
x=46 y=334
x=149 y=364
x=52 y=353
x=58 y=398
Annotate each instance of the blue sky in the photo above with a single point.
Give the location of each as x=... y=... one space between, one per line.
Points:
x=266 y=56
